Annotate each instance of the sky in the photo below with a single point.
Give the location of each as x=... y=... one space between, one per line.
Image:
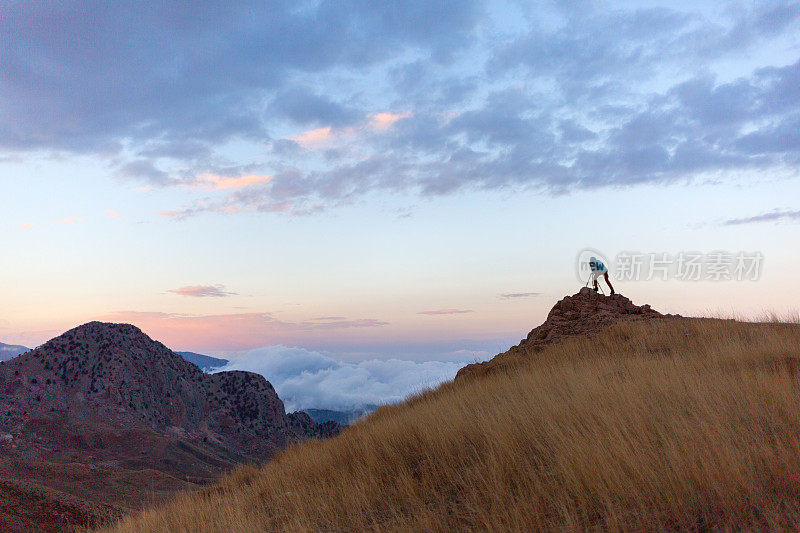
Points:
x=399 y=181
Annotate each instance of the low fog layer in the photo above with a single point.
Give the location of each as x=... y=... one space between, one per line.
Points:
x=305 y=379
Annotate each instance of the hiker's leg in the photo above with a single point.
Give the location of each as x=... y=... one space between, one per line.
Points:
x=610 y=286
x=594 y=279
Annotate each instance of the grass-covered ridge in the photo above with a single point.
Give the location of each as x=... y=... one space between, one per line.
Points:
x=667 y=424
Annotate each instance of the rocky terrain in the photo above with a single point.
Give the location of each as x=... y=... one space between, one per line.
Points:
x=104 y=419
x=585 y=313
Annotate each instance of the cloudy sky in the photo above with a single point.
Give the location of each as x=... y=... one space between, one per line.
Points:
x=407 y=180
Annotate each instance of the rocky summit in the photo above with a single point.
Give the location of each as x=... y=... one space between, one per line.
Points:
x=106 y=401
x=585 y=313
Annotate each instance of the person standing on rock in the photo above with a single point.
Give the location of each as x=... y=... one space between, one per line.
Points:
x=599 y=269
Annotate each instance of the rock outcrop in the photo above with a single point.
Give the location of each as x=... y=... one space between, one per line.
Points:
x=104 y=401
x=584 y=313
x=115 y=374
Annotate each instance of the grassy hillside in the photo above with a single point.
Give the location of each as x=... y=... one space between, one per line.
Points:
x=673 y=423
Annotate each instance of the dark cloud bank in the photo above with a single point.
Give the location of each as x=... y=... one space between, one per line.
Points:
x=584 y=98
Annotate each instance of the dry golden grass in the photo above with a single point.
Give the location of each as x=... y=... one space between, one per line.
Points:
x=671 y=424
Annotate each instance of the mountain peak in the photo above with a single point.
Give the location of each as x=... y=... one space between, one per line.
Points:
x=96 y=356
x=588 y=305
x=102 y=329
x=92 y=333
x=583 y=313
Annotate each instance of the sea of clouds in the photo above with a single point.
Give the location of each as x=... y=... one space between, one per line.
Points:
x=307 y=379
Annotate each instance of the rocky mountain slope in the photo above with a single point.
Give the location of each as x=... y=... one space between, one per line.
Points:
x=103 y=403
x=584 y=313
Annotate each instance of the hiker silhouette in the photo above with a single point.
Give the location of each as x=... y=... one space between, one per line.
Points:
x=599 y=269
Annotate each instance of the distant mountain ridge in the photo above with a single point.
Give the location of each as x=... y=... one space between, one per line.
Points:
x=9 y=351
x=205 y=362
x=344 y=418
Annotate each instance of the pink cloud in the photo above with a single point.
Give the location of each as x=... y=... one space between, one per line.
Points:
x=447 y=311
x=203 y=291
x=70 y=220
x=322 y=136
x=218 y=182
x=382 y=121
x=28 y=225
x=111 y=213
x=232 y=208
x=312 y=138
x=176 y=214
x=241 y=331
